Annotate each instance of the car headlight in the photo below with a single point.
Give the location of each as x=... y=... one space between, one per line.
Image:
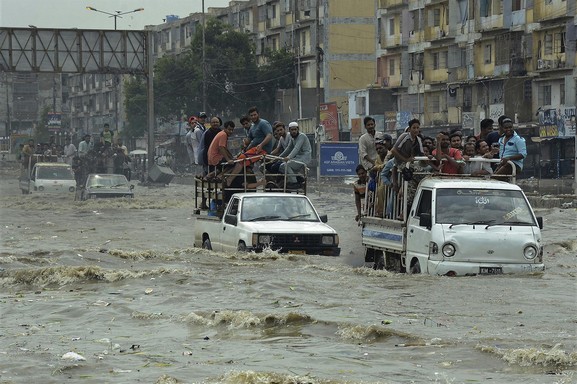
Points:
x=264 y=239
x=530 y=252
x=328 y=240
x=41 y=188
x=448 y=250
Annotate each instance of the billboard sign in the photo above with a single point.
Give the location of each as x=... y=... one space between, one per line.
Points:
x=338 y=158
x=330 y=120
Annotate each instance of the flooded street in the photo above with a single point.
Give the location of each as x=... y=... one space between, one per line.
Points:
x=118 y=284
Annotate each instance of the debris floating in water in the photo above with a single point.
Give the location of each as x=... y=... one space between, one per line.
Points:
x=73 y=356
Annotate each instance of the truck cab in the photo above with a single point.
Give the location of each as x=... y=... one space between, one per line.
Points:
x=44 y=175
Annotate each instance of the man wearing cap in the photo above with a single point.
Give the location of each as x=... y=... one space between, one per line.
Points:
x=512 y=148
x=367 y=149
x=299 y=150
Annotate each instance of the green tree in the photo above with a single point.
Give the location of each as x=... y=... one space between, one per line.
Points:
x=234 y=80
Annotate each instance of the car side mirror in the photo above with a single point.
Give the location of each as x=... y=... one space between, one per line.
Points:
x=231 y=219
x=131 y=187
x=540 y=222
x=324 y=218
x=425 y=220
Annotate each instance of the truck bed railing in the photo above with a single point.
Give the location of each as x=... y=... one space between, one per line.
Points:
x=213 y=189
x=388 y=199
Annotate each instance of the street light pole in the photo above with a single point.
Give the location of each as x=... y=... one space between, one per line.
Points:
x=115 y=15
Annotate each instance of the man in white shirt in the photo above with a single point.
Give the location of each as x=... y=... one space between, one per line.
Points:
x=299 y=149
x=367 y=148
x=69 y=150
x=84 y=146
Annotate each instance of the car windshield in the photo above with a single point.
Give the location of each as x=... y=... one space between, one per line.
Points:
x=107 y=181
x=482 y=206
x=55 y=173
x=265 y=208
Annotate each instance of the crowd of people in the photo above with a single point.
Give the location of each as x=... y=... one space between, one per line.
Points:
x=210 y=147
x=382 y=163
x=106 y=155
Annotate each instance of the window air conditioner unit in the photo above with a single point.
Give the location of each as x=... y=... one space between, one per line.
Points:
x=541 y=64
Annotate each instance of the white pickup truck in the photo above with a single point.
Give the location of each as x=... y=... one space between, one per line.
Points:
x=455 y=226
x=284 y=222
x=42 y=174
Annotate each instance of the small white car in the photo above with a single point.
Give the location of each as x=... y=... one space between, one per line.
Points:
x=100 y=185
x=48 y=178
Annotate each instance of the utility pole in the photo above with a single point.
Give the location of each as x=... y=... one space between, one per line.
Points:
x=319 y=51
x=203 y=59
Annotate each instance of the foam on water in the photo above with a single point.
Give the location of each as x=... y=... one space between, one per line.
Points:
x=370 y=333
x=246 y=319
x=252 y=377
x=72 y=274
x=526 y=357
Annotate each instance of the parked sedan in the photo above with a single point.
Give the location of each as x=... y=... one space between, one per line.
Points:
x=107 y=185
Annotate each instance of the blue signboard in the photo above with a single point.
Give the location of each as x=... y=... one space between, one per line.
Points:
x=339 y=158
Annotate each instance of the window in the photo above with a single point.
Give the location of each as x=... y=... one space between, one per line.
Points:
x=391 y=67
x=487 y=54
x=437 y=17
x=548 y=44
x=559 y=43
x=424 y=203
x=486 y=8
x=391 y=27
x=416 y=20
x=528 y=90
x=562 y=93
x=436 y=60
x=545 y=95
x=517 y=5
x=360 y=105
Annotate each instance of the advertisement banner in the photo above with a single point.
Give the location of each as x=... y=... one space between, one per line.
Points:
x=557 y=122
x=54 y=121
x=330 y=120
x=338 y=159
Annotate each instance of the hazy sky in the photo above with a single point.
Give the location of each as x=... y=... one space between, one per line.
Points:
x=73 y=13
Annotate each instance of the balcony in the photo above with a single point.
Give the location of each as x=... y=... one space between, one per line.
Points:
x=385 y=4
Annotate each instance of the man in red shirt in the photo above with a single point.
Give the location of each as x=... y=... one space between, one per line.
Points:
x=218 y=153
x=450 y=159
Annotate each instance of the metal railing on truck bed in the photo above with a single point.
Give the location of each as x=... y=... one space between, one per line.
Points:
x=215 y=189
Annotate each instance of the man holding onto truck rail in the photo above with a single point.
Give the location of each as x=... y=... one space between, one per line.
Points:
x=512 y=148
x=299 y=150
x=367 y=150
x=449 y=158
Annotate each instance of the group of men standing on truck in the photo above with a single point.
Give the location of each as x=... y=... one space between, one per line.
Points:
x=383 y=164
x=210 y=147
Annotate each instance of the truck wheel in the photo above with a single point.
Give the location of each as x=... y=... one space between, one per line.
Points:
x=207 y=245
x=241 y=246
x=379 y=262
x=415 y=267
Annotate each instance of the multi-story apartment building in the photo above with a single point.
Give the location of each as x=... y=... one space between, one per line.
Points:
x=458 y=61
x=332 y=40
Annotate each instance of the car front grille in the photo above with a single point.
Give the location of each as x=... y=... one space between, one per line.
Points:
x=295 y=241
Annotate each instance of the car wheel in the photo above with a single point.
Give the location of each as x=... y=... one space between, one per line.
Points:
x=241 y=246
x=206 y=244
x=415 y=267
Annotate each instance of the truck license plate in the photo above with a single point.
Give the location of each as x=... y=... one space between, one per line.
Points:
x=491 y=271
